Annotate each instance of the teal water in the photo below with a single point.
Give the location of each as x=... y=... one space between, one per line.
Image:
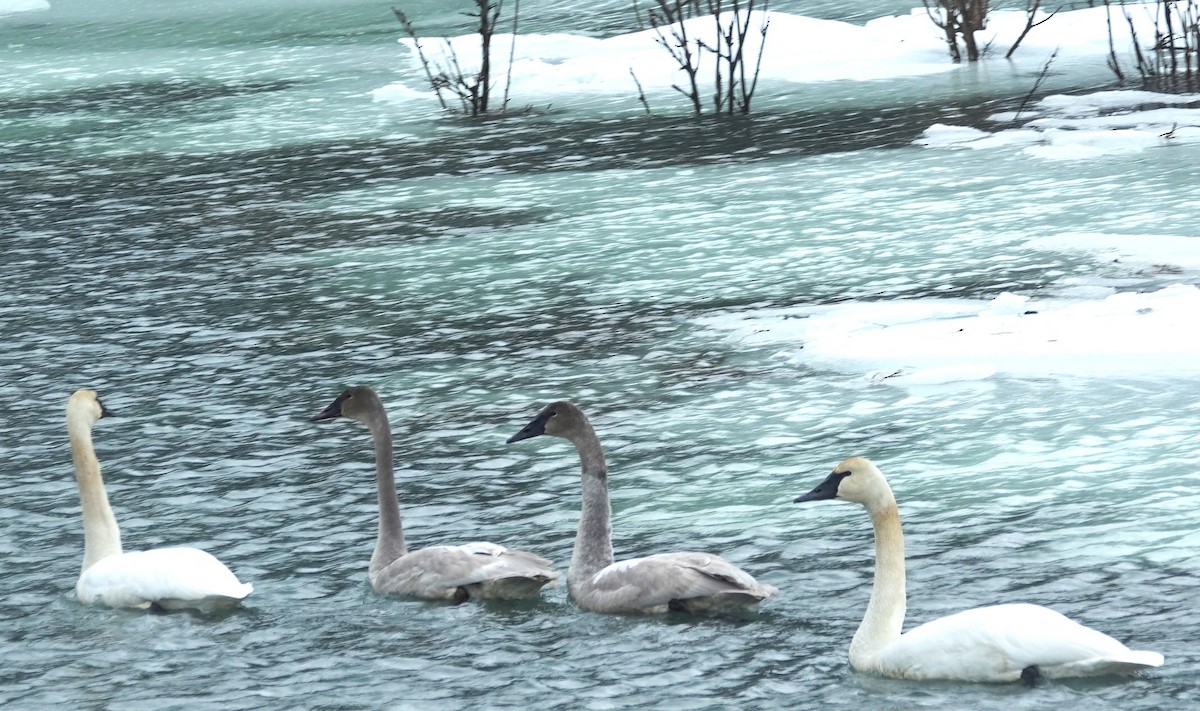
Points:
x=206 y=217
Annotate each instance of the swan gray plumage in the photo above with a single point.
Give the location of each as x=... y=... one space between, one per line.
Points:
x=167 y=578
x=478 y=569
x=997 y=643
x=688 y=582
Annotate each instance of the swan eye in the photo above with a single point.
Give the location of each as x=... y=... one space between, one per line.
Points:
x=845 y=473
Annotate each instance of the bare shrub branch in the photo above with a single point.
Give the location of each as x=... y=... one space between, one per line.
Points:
x=473 y=91
x=733 y=87
x=1174 y=58
x=1036 y=84
x=435 y=84
x=1031 y=10
x=671 y=14
x=512 y=53
x=641 y=93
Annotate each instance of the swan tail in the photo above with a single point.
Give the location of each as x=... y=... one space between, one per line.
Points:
x=765 y=591
x=509 y=573
x=724 y=602
x=1146 y=659
x=514 y=587
x=243 y=590
x=208 y=603
x=755 y=592
x=1130 y=663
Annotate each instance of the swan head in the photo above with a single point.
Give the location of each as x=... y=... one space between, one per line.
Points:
x=86 y=403
x=558 y=419
x=855 y=479
x=357 y=403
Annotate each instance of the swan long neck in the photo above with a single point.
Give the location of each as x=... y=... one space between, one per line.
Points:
x=593 y=540
x=101 y=537
x=884 y=620
x=390 y=543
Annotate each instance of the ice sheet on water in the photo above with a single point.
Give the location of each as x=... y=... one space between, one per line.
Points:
x=924 y=341
x=14 y=6
x=1082 y=127
x=1165 y=254
x=1093 y=330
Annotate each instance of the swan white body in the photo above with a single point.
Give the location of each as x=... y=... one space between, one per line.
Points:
x=999 y=643
x=479 y=569
x=168 y=578
x=687 y=582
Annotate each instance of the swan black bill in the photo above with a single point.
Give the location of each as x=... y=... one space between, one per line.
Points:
x=533 y=429
x=334 y=409
x=104 y=411
x=825 y=490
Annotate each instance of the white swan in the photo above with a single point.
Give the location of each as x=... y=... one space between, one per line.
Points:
x=996 y=643
x=479 y=569
x=686 y=582
x=166 y=578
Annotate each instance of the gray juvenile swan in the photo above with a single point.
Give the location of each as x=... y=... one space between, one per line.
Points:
x=473 y=570
x=686 y=582
x=166 y=578
x=996 y=643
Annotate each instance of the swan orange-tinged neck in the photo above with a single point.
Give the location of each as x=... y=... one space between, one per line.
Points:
x=884 y=620
x=101 y=537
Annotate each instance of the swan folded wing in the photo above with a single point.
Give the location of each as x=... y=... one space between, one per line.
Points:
x=439 y=571
x=655 y=582
x=996 y=643
x=179 y=577
x=509 y=555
